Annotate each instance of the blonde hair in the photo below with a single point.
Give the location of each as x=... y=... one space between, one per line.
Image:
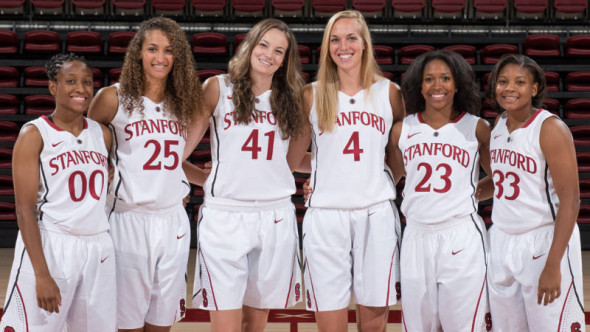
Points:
x=328 y=84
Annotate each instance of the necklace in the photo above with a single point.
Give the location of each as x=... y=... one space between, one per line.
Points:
x=523 y=124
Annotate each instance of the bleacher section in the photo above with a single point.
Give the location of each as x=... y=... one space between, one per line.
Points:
x=555 y=33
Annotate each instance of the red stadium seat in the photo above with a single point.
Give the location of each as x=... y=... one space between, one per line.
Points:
x=42 y=41
x=88 y=42
x=119 y=40
x=578 y=81
x=552 y=105
x=204 y=74
x=486 y=214
x=570 y=9
x=12 y=7
x=168 y=7
x=487 y=9
x=578 y=108
x=200 y=157
x=114 y=74
x=97 y=77
x=530 y=9
x=5 y=158
x=7 y=210
x=583 y=161
x=209 y=7
x=584 y=214
x=36 y=76
x=552 y=79
x=584 y=188
x=578 y=46
x=305 y=76
x=409 y=53
x=383 y=54
x=408 y=8
x=210 y=44
x=581 y=135
x=9 y=104
x=8 y=131
x=290 y=8
x=238 y=39
x=388 y=75
x=490 y=55
x=370 y=8
x=448 y=8
x=8 y=42
x=128 y=7
x=6 y=189
x=248 y=7
x=48 y=7
x=324 y=8
x=89 y=7
x=467 y=51
x=542 y=45
x=9 y=77
x=39 y=104
x=488 y=111
x=304 y=54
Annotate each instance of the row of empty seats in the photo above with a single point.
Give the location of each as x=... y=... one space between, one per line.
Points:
x=443 y=9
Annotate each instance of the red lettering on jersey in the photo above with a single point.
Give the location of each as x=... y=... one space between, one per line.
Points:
x=9 y=329
x=158 y=126
x=514 y=159
x=363 y=118
x=453 y=152
x=76 y=157
x=257 y=117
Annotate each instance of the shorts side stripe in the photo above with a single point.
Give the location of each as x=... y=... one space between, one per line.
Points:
x=564 y=304
x=290 y=283
x=311 y=282
x=477 y=305
x=15 y=280
x=24 y=307
x=569 y=264
x=209 y=276
x=389 y=279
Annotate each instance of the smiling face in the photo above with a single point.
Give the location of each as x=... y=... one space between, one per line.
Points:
x=157 y=55
x=515 y=88
x=73 y=88
x=438 y=86
x=269 y=53
x=346 y=44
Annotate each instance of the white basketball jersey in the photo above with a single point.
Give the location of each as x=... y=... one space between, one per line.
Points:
x=148 y=148
x=348 y=163
x=442 y=169
x=249 y=161
x=524 y=196
x=73 y=179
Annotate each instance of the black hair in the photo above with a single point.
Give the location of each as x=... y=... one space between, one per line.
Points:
x=53 y=65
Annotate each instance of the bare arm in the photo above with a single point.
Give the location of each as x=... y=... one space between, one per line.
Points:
x=297 y=157
x=25 y=170
x=194 y=174
x=558 y=148
x=393 y=154
x=485 y=186
x=103 y=107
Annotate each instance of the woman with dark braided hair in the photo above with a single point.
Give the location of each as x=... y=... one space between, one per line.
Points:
x=149 y=113
x=247 y=260
x=64 y=265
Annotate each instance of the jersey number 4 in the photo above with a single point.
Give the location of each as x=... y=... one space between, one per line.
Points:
x=353 y=146
x=251 y=144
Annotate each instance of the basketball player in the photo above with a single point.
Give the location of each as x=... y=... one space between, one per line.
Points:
x=149 y=112
x=442 y=144
x=63 y=275
x=248 y=250
x=351 y=227
x=535 y=274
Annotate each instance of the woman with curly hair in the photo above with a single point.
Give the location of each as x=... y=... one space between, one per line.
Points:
x=149 y=112
x=351 y=228
x=441 y=145
x=248 y=260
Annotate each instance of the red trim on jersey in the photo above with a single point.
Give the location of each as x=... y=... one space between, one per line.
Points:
x=477 y=305
x=458 y=118
x=419 y=116
x=290 y=284
x=564 y=303
x=389 y=279
x=51 y=124
x=85 y=123
x=209 y=277
x=532 y=118
x=311 y=282
x=24 y=308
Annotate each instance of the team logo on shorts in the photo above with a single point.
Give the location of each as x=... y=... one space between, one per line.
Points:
x=205 y=299
x=11 y=329
x=488 y=319
x=398 y=291
x=297 y=291
x=182 y=307
x=576 y=327
x=308 y=299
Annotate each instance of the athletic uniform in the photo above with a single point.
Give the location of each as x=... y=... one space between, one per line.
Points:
x=247 y=231
x=525 y=206
x=351 y=224
x=443 y=261
x=149 y=225
x=74 y=235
